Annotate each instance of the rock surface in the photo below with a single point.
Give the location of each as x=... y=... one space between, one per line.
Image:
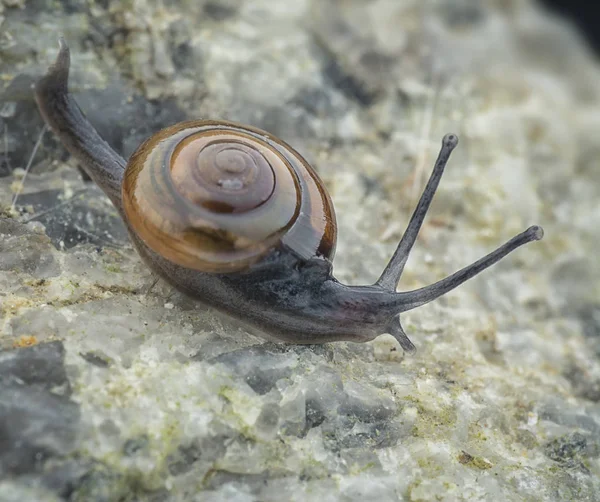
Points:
x=114 y=389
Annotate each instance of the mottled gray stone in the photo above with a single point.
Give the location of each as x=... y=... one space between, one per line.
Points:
x=35 y=425
x=260 y=366
x=38 y=366
x=131 y=391
x=13 y=491
x=76 y=222
x=27 y=252
x=39 y=425
x=571 y=449
x=83 y=480
x=590 y=324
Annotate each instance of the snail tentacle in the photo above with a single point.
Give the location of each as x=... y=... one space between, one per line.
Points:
x=395 y=329
x=409 y=300
x=63 y=115
x=393 y=271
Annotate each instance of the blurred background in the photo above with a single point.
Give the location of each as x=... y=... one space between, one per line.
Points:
x=582 y=13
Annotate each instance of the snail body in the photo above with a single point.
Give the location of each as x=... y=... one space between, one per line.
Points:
x=236 y=218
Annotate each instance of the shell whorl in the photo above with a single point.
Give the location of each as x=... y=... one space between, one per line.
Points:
x=218 y=196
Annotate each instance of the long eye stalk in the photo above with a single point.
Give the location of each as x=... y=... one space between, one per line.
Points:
x=393 y=271
x=433 y=291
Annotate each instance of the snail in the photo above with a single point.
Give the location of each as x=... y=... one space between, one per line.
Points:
x=236 y=218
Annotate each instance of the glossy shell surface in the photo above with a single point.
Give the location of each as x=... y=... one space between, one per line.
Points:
x=217 y=196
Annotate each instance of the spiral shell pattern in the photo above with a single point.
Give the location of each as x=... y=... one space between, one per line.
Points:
x=217 y=196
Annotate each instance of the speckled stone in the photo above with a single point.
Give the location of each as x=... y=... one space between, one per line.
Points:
x=115 y=387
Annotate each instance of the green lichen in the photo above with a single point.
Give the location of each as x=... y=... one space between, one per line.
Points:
x=432 y=422
x=474 y=462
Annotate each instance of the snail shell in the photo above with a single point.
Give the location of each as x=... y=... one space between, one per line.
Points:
x=217 y=196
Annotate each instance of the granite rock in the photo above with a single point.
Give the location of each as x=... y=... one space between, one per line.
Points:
x=115 y=387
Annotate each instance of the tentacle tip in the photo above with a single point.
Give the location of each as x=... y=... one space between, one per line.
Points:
x=536 y=232
x=450 y=140
x=395 y=329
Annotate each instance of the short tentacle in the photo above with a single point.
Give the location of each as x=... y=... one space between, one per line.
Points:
x=395 y=329
x=391 y=275
x=62 y=114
